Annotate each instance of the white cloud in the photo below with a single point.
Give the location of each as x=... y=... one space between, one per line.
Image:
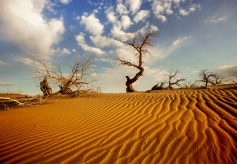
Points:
x=126 y=22
x=193 y=7
x=225 y=66
x=27 y=61
x=154 y=28
x=6 y=84
x=78 y=17
x=167 y=5
x=162 y=18
x=3 y=63
x=111 y=17
x=74 y=50
x=109 y=60
x=177 y=2
x=23 y=24
x=134 y=5
x=72 y=27
x=157 y=9
x=92 y=24
x=214 y=20
x=183 y=12
x=141 y=15
x=65 y=51
x=180 y=40
x=127 y=54
x=65 y=2
x=111 y=52
x=103 y=41
x=81 y=42
x=169 y=11
x=121 y=9
x=95 y=11
x=119 y=34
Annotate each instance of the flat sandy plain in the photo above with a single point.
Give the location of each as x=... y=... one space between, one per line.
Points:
x=169 y=126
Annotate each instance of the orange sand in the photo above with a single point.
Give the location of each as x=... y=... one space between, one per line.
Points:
x=176 y=126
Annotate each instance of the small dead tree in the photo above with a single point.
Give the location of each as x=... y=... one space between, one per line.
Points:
x=140 y=42
x=159 y=86
x=173 y=79
x=80 y=73
x=206 y=77
x=217 y=79
x=190 y=84
x=233 y=76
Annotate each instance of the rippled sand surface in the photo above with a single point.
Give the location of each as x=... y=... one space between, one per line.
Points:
x=176 y=126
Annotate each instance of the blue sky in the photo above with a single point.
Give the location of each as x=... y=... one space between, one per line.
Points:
x=193 y=35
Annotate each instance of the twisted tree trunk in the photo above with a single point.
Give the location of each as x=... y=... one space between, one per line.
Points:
x=130 y=81
x=45 y=88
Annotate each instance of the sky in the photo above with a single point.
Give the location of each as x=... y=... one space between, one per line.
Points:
x=192 y=35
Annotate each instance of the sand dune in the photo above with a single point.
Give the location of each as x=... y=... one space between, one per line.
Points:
x=176 y=126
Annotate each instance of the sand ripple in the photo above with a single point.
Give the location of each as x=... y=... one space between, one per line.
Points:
x=178 y=126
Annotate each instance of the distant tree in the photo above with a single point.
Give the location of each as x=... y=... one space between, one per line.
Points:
x=80 y=73
x=173 y=79
x=190 y=84
x=233 y=76
x=217 y=79
x=159 y=85
x=140 y=42
x=206 y=77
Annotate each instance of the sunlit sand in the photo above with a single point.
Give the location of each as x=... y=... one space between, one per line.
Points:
x=167 y=126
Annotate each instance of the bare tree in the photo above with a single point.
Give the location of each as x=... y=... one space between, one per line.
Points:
x=173 y=79
x=140 y=42
x=80 y=73
x=159 y=86
x=217 y=79
x=190 y=84
x=233 y=76
x=206 y=77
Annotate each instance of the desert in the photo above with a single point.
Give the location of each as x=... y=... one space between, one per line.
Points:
x=166 y=126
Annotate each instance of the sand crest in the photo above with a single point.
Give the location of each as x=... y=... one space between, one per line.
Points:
x=176 y=126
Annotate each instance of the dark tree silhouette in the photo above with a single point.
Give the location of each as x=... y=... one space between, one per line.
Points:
x=173 y=80
x=206 y=77
x=217 y=79
x=140 y=42
x=80 y=73
x=159 y=86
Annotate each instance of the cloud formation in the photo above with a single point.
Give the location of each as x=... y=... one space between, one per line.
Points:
x=141 y=15
x=6 y=84
x=126 y=22
x=103 y=41
x=134 y=5
x=23 y=25
x=3 y=63
x=180 y=40
x=81 y=42
x=92 y=24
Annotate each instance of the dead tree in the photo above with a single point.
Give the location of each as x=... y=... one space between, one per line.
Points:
x=173 y=79
x=140 y=42
x=45 y=88
x=206 y=77
x=217 y=79
x=79 y=76
x=159 y=86
x=233 y=76
x=191 y=84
